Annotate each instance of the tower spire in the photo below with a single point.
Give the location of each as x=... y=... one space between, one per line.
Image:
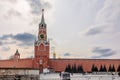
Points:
x=42 y=19
x=17 y=55
x=17 y=52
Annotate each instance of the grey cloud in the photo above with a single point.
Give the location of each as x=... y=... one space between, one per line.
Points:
x=67 y=54
x=110 y=13
x=37 y=5
x=94 y=31
x=103 y=52
x=4 y=37
x=47 y=5
x=5 y=48
x=12 y=42
x=109 y=16
x=26 y=44
x=1 y=43
x=26 y=39
x=12 y=12
x=100 y=50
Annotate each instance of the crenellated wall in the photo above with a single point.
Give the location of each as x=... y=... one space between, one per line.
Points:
x=20 y=63
x=60 y=64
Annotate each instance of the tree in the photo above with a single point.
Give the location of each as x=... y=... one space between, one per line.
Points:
x=118 y=69
x=113 y=68
x=80 y=69
x=104 y=69
x=93 y=68
x=110 y=69
x=101 y=68
x=68 y=68
x=96 y=69
x=74 y=68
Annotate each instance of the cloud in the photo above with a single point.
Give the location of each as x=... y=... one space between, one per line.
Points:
x=5 y=37
x=5 y=48
x=99 y=29
x=12 y=13
x=106 y=20
x=37 y=5
x=67 y=54
x=5 y=42
x=94 y=31
x=12 y=42
x=1 y=43
x=103 y=52
x=109 y=12
x=26 y=39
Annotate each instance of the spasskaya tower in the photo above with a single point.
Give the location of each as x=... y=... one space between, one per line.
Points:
x=41 y=47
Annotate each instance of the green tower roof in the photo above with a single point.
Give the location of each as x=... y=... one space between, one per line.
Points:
x=42 y=19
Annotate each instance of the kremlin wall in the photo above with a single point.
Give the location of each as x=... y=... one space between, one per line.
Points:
x=41 y=58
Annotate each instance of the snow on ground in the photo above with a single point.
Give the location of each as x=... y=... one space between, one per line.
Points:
x=55 y=76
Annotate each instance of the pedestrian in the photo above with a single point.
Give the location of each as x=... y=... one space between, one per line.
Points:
x=60 y=74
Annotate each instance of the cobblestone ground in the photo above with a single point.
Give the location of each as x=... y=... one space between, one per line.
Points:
x=80 y=77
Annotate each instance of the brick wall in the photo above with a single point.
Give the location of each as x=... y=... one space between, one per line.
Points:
x=60 y=64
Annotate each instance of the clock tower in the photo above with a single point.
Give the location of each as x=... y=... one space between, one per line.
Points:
x=41 y=47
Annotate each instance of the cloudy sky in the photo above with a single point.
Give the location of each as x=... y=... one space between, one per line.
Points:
x=76 y=28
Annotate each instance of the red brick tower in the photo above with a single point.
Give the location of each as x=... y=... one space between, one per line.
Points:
x=42 y=46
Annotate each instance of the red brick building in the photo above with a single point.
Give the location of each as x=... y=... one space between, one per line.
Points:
x=41 y=58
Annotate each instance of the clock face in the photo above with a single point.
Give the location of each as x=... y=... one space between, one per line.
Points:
x=42 y=36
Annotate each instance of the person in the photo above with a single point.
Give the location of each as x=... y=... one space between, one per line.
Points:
x=118 y=73
x=60 y=74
